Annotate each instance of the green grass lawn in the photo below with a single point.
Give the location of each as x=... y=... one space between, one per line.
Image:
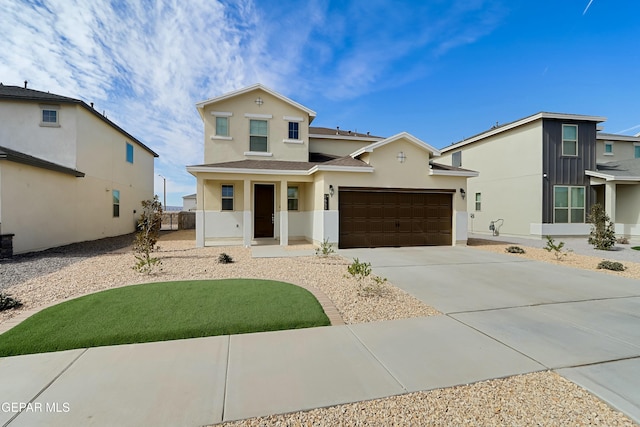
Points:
x=165 y=311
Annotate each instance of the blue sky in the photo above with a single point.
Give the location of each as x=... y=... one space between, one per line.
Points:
x=441 y=70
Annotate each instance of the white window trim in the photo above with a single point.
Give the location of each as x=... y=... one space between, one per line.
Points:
x=478 y=203
x=568 y=208
x=293 y=141
x=562 y=142
x=291 y=198
x=223 y=138
x=258 y=116
x=605 y=148
x=221 y=113
x=293 y=118
x=258 y=153
x=44 y=107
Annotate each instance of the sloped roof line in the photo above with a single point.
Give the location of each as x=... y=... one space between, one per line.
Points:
x=402 y=135
x=258 y=86
x=27 y=159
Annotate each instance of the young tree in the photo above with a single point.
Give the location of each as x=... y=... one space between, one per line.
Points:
x=147 y=236
x=602 y=234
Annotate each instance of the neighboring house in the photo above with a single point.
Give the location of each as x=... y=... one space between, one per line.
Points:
x=540 y=175
x=67 y=173
x=189 y=203
x=268 y=174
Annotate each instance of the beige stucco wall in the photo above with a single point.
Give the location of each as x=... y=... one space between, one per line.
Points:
x=622 y=150
x=336 y=147
x=509 y=165
x=628 y=204
x=20 y=130
x=221 y=150
x=46 y=209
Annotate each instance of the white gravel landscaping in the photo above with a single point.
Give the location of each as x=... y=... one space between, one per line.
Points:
x=542 y=398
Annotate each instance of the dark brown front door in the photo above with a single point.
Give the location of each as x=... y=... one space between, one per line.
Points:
x=263 y=212
x=379 y=217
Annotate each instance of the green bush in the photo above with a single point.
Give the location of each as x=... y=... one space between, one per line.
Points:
x=611 y=265
x=359 y=270
x=555 y=249
x=7 y=302
x=147 y=236
x=603 y=235
x=515 y=250
x=224 y=258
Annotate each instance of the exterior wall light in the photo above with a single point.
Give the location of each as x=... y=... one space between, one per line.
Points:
x=463 y=193
x=331 y=190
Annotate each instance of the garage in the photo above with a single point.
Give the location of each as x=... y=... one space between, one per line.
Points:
x=383 y=217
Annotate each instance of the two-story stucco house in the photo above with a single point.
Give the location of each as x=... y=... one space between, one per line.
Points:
x=540 y=175
x=269 y=175
x=67 y=173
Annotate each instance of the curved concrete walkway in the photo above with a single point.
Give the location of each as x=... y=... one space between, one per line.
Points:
x=518 y=316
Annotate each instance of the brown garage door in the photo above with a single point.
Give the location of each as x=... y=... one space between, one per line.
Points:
x=372 y=218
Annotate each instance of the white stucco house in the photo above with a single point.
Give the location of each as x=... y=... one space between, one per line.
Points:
x=67 y=173
x=541 y=174
x=268 y=174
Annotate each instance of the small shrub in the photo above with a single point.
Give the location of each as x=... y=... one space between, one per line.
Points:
x=7 y=302
x=325 y=248
x=603 y=235
x=359 y=270
x=225 y=258
x=556 y=249
x=376 y=288
x=622 y=240
x=515 y=250
x=147 y=236
x=611 y=265
x=636 y=248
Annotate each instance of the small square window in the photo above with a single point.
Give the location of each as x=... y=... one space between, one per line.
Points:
x=129 y=153
x=49 y=116
x=569 y=140
x=292 y=198
x=116 y=203
x=636 y=151
x=222 y=126
x=478 y=201
x=608 y=148
x=294 y=132
x=227 y=197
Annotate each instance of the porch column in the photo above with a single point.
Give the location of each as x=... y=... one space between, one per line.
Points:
x=247 y=220
x=284 y=214
x=610 y=200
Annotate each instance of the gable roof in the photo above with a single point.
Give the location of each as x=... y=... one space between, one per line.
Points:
x=619 y=170
x=200 y=105
x=512 y=125
x=601 y=136
x=402 y=135
x=337 y=133
x=17 y=93
x=26 y=159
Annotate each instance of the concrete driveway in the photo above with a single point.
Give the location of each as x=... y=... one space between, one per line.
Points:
x=585 y=325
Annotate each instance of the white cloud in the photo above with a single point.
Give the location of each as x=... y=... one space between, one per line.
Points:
x=146 y=63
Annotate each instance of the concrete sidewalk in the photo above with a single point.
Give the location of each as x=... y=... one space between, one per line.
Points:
x=209 y=380
x=517 y=316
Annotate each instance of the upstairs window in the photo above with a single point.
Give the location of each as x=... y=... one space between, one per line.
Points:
x=222 y=126
x=116 y=203
x=49 y=115
x=294 y=132
x=569 y=140
x=292 y=198
x=129 y=153
x=636 y=151
x=227 y=197
x=456 y=159
x=608 y=148
x=258 y=136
